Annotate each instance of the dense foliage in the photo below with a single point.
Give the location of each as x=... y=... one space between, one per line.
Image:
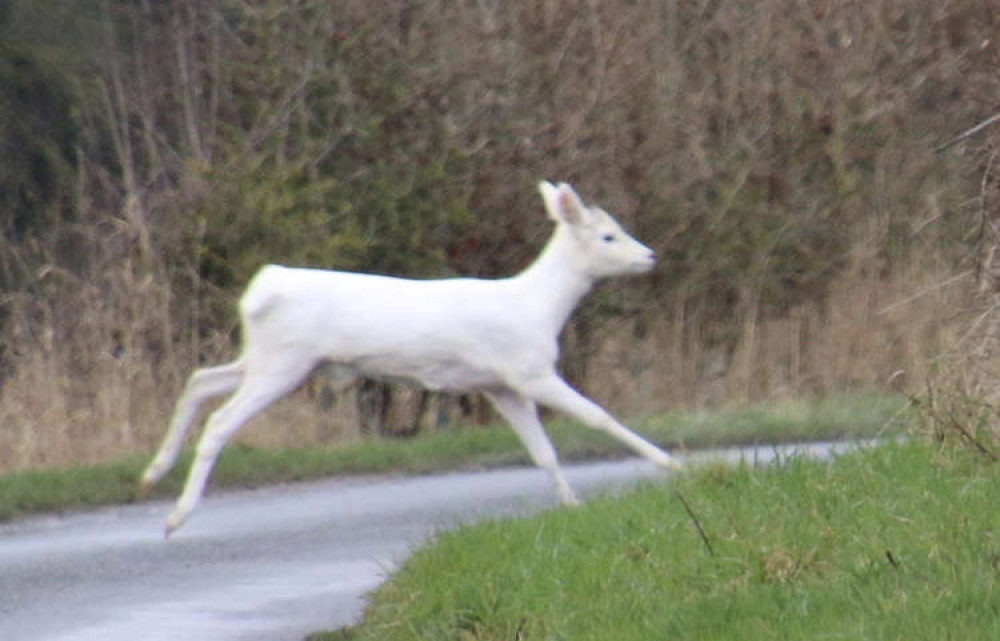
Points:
x=776 y=154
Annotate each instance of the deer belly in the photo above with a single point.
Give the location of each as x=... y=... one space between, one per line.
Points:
x=440 y=372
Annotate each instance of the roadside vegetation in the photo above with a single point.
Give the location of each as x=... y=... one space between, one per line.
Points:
x=845 y=416
x=901 y=541
x=778 y=155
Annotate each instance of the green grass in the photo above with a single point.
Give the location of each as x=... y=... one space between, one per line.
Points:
x=896 y=542
x=240 y=466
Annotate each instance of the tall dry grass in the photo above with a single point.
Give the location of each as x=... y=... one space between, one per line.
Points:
x=961 y=394
x=869 y=334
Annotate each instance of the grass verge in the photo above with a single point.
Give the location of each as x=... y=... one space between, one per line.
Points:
x=896 y=542
x=240 y=466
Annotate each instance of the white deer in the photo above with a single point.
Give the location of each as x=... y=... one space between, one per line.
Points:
x=496 y=337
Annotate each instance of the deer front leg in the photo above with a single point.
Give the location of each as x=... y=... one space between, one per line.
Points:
x=522 y=414
x=555 y=393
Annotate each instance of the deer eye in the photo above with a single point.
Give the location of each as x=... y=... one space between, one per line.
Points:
x=608 y=238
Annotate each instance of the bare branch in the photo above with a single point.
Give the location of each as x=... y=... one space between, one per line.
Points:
x=968 y=133
x=925 y=291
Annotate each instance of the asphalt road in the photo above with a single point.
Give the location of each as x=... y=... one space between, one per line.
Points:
x=271 y=564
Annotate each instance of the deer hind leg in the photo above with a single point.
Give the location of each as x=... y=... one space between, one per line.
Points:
x=258 y=390
x=203 y=384
x=522 y=414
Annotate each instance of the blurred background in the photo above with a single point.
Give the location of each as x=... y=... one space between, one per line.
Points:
x=798 y=166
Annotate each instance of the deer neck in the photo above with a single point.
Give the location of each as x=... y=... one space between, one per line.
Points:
x=556 y=282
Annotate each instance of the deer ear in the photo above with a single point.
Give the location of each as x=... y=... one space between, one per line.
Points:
x=550 y=196
x=571 y=208
x=562 y=203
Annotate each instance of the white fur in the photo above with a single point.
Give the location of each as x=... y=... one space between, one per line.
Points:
x=498 y=337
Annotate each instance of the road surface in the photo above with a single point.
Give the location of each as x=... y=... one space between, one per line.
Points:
x=272 y=564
